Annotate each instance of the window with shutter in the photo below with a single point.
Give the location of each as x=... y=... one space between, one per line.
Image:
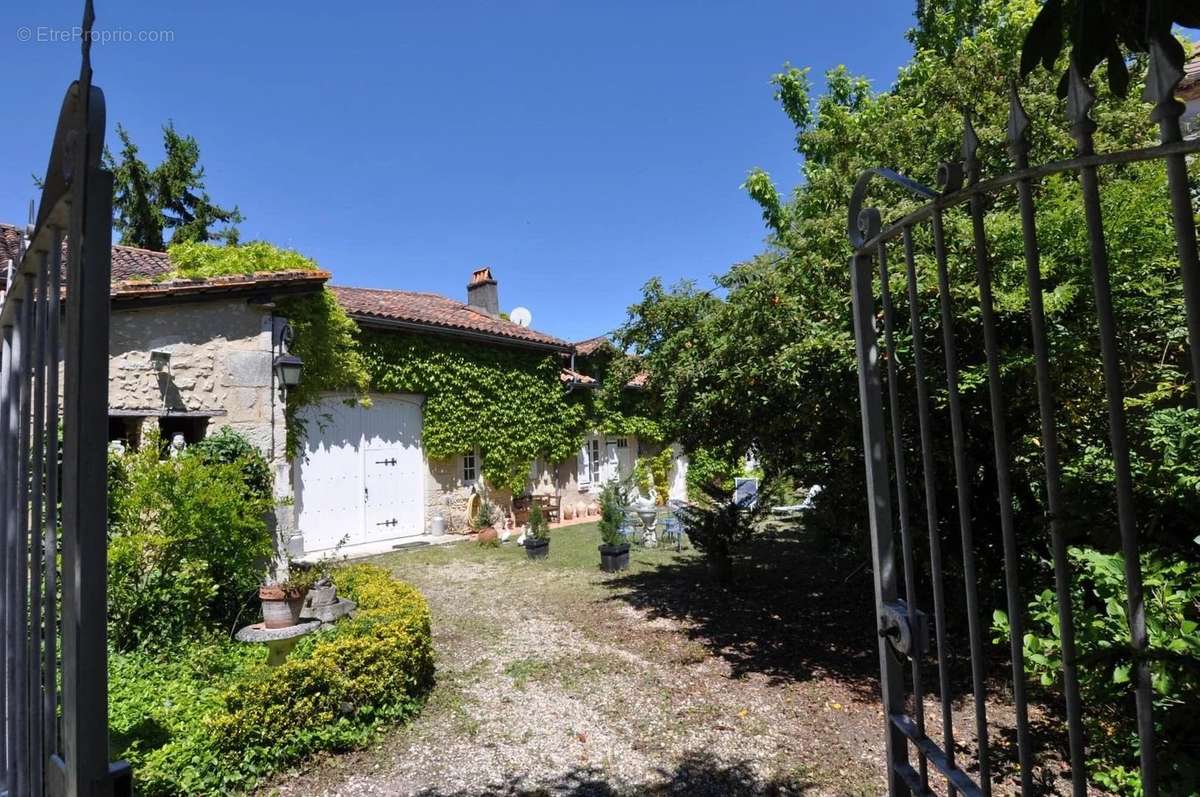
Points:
x=594 y=459
x=583 y=469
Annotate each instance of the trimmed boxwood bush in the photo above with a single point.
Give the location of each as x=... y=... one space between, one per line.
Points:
x=215 y=719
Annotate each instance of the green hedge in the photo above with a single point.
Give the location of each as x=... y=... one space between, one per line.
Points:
x=214 y=719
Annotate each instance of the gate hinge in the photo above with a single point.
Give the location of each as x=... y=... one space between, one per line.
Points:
x=907 y=638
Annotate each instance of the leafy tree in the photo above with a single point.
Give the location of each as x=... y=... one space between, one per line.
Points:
x=942 y=24
x=149 y=203
x=766 y=361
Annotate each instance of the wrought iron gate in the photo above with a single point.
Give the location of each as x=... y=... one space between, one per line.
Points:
x=54 y=704
x=903 y=625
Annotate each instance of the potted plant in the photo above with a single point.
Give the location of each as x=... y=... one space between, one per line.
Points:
x=485 y=516
x=537 y=538
x=283 y=601
x=323 y=592
x=614 y=550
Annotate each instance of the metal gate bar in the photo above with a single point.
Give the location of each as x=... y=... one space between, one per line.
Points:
x=74 y=217
x=1018 y=144
x=915 y=619
x=931 y=513
x=901 y=623
x=1004 y=499
x=1079 y=104
x=963 y=490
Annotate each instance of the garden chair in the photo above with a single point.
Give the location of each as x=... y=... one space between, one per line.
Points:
x=672 y=530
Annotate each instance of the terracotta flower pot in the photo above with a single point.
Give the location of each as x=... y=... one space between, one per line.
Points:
x=281 y=608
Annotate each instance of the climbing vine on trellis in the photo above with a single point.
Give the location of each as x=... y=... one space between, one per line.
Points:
x=508 y=402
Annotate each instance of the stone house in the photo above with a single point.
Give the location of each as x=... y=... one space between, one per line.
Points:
x=349 y=449
x=1189 y=93
x=189 y=356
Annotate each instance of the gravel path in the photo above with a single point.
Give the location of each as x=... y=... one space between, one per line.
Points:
x=559 y=680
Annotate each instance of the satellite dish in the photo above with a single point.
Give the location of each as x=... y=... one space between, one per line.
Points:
x=521 y=316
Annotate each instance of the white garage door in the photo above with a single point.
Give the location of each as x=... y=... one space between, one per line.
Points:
x=362 y=474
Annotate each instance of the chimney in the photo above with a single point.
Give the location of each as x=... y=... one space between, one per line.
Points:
x=482 y=291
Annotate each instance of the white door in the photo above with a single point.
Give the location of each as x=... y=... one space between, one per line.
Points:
x=361 y=476
x=328 y=486
x=392 y=469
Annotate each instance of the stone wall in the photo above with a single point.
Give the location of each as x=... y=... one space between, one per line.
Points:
x=448 y=495
x=221 y=361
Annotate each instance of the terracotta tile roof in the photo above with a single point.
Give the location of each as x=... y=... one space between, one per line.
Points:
x=1189 y=87
x=135 y=270
x=10 y=243
x=640 y=379
x=567 y=376
x=300 y=279
x=129 y=262
x=590 y=346
x=429 y=310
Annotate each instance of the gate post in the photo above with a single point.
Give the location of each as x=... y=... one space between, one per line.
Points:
x=879 y=508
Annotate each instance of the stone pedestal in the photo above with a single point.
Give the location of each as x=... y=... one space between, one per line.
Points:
x=279 y=641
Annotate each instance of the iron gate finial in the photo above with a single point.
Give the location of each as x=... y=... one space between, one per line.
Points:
x=1161 y=79
x=1018 y=125
x=1080 y=99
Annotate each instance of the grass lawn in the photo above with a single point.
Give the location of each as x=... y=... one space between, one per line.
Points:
x=571 y=548
x=556 y=678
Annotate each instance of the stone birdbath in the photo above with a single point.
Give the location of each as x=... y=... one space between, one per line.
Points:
x=647 y=512
x=279 y=641
x=322 y=606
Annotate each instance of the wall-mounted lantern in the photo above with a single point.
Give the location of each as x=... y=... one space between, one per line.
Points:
x=288 y=368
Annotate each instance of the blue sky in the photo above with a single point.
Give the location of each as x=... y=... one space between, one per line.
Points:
x=577 y=148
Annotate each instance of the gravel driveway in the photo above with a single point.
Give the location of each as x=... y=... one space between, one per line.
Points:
x=556 y=679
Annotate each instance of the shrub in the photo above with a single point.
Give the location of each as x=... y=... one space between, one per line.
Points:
x=184 y=549
x=538 y=528
x=611 y=515
x=485 y=516
x=217 y=719
x=652 y=475
x=229 y=447
x=708 y=468
x=1172 y=599
x=716 y=524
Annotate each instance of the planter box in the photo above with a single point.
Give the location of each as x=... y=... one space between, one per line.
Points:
x=614 y=558
x=537 y=549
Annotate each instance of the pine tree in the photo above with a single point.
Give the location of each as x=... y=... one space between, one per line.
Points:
x=149 y=203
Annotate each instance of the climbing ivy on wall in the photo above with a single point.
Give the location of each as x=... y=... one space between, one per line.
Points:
x=509 y=402
x=621 y=411
x=615 y=409
x=324 y=337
